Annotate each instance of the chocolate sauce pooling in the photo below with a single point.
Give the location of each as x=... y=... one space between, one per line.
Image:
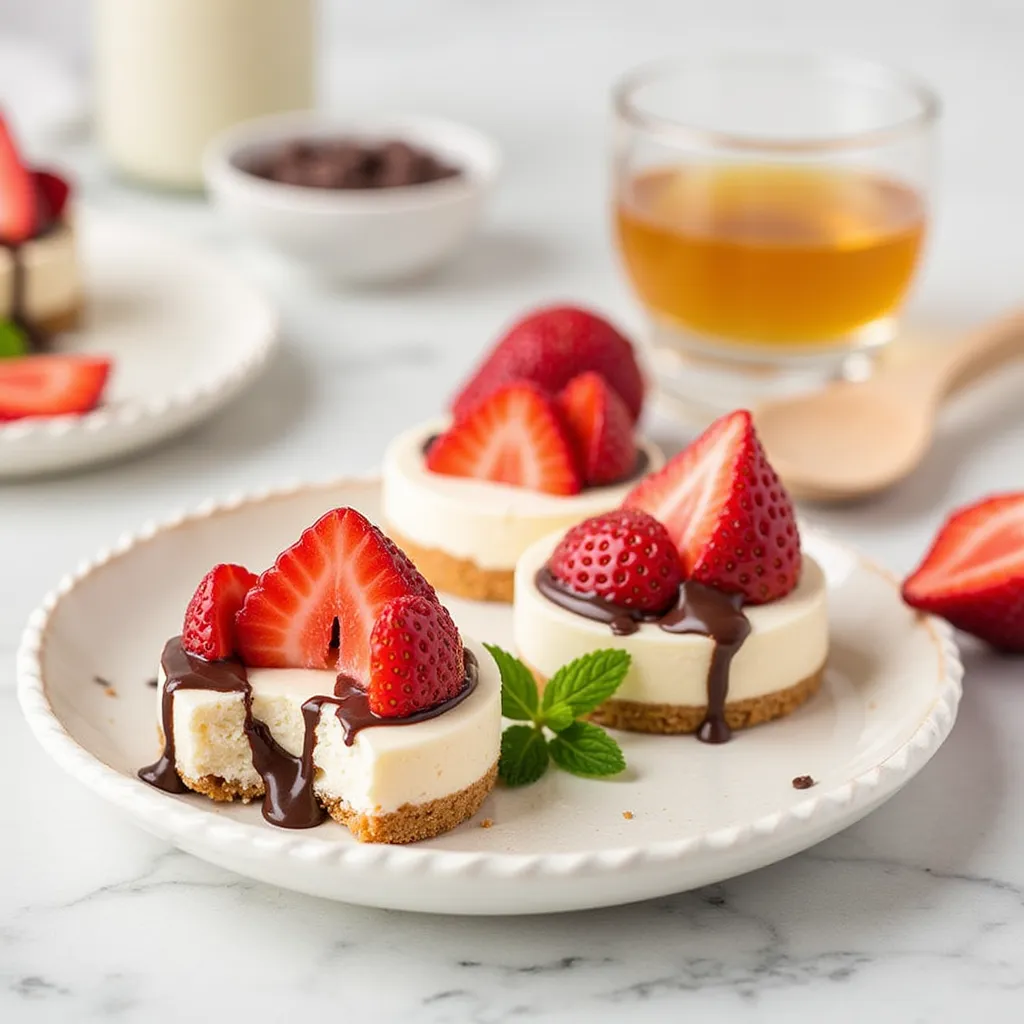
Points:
x=698 y=609
x=289 y=800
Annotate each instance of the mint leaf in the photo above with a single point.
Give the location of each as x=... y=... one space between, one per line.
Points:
x=559 y=717
x=518 y=687
x=586 y=682
x=13 y=341
x=586 y=749
x=524 y=755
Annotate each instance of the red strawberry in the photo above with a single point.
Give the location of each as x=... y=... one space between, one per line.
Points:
x=515 y=436
x=50 y=385
x=416 y=658
x=18 y=207
x=209 y=630
x=601 y=428
x=341 y=568
x=625 y=557
x=550 y=347
x=974 y=573
x=727 y=512
x=52 y=192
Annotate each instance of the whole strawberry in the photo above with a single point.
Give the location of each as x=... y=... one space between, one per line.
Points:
x=551 y=346
x=973 y=576
x=416 y=657
x=209 y=628
x=625 y=557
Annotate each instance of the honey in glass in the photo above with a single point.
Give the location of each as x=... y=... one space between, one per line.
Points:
x=781 y=256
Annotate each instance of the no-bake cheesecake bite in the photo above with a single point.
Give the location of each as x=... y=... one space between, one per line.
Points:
x=701 y=578
x=335 y=683
x=541 y=436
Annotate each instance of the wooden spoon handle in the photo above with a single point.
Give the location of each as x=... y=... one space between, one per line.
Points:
x=981 y=352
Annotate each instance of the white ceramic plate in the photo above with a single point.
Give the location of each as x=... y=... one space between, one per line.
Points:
x=186 y=334
x=699 y=813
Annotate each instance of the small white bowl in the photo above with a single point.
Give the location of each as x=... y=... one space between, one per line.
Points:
x=364 y=235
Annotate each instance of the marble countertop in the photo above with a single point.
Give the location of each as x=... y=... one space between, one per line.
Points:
x=916 y=914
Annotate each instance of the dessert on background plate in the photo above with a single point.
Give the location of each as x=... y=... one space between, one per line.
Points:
x=541 y=436
x=700 y=577
x=334 y=683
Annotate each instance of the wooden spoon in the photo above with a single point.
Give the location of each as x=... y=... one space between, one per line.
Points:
x=854 y=439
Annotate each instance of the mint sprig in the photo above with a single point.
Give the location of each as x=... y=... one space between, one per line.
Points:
x=573 y=691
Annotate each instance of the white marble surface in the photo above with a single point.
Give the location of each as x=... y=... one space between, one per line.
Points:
x=916 y=914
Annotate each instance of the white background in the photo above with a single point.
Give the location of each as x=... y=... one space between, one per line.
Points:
x=916 y=914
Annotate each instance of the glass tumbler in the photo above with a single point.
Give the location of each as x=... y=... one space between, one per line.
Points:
x=770 y=212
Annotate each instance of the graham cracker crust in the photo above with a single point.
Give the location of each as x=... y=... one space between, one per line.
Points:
x=413 y=822
x=459 y=576
x=409 y=824
x=673 y=719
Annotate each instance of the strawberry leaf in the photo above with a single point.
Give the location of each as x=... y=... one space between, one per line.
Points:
x=585 y=749
x=524 y=755
x=519 y=698
x=588 y=681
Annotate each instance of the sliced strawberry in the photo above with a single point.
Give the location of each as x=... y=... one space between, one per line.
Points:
x=550 y=347
x=974 y=573
x=19 y=216
x=515 y=436
x=341 y=568
x=209 y=629
x=53 y=192
x=416 y=658
x=727 y=512
x=601 y=427
x=51 y=385
x=625 y=557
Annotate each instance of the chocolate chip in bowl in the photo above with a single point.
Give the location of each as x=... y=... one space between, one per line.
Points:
x=350 y=163
x=353 y=201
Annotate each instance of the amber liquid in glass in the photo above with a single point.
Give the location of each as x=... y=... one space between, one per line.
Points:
x=776 y=256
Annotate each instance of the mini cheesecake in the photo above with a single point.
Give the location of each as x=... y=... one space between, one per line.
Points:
x=766 y=662
x=335 y=683
x=466 y=535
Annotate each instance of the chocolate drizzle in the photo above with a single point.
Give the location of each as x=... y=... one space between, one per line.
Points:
x=289 y=800
x=698 y=609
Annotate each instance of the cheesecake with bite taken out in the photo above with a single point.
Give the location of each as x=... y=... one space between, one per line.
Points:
x=335 y=683
x=543 y=435
x=701 y=578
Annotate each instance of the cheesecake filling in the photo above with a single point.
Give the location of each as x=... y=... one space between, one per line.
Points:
x=218 y=719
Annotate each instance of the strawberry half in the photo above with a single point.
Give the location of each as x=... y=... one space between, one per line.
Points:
x=601 y=427
x=416 y=657
x=974 y=573
x=550 y=347
x=51 y=385
x=341 y=568
x=515 y=436
x=625 y=557
x=727 y=513
x=19 y=215
x=209 y=629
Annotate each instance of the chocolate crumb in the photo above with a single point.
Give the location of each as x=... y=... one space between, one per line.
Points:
x=803 y=782
x=100 y=681
x=486 y=823
x=110 y=691
x=152 y=682
x=716 y=901
x=628 y=815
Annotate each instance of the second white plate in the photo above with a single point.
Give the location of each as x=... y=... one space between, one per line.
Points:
x=697 y=813
x=186 y=334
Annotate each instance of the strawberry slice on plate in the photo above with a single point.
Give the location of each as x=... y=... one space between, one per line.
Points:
x=973 y=576
x=342 y=569
x=515 y=436
x=51 y=385
x=550 y=347
x=209 y=628
x=601 y=427
x=19 y=215
x=727 y=513
x=416 y=657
